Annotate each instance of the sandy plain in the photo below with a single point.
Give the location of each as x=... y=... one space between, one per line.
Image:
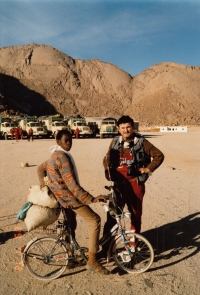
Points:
x=170 y=218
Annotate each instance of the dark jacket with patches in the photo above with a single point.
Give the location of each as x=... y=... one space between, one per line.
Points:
x=144 y=153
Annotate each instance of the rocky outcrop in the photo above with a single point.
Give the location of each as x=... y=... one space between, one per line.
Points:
x=39 y=80
x=168 y=94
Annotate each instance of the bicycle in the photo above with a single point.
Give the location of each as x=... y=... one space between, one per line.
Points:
x=47 y=257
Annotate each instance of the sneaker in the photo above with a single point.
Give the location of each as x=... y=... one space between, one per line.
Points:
x=132 y=227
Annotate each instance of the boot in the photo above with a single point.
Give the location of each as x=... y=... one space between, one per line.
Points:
x=94 y=266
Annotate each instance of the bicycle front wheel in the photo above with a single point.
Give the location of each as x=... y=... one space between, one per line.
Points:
x=46 y=259
x=137 y=258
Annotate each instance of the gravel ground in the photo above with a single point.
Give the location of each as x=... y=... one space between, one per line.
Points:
x=170 y=218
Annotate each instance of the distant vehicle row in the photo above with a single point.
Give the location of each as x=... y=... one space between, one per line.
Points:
x=48 y=126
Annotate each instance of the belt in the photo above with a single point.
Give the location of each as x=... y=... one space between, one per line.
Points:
x=127 y=180
x=132 y=179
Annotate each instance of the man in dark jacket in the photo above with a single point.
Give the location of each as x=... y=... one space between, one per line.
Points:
x=129 y=161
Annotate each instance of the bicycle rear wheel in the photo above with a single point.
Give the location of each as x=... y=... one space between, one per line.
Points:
x=45 y=259
x=141 y=257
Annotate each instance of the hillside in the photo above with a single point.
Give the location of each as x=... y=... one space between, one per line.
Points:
x=39 y=80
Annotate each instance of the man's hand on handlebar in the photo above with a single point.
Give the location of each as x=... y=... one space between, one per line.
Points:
x=100 y=198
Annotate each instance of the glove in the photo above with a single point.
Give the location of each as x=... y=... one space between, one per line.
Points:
x=100 y=198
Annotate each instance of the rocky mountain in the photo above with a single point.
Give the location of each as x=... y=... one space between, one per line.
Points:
x=41 y=80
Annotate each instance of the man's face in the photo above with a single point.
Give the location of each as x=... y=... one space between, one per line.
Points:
x=65 y=142
x=126 y=130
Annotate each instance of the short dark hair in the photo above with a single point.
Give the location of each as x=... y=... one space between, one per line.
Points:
x=125 y=119
x=61 y=133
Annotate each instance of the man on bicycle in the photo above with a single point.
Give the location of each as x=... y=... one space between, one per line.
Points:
x=63 y=182
x=128 y=164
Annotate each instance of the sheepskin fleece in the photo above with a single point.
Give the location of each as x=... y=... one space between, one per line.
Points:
x=41 y=197
x=38 y=216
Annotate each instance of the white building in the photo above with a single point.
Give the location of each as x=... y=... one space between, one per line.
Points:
x=173 y=128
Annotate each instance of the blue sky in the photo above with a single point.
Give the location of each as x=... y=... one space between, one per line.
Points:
x=132 y=34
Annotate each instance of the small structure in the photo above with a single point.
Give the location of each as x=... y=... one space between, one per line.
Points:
x=173 y=128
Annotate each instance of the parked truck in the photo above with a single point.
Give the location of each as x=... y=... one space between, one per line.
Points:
x=94 y=123
x=53 y=124
x=6 y=125
x=94 y=128
x=31 y=122
x=80 y=123
x=108 y=128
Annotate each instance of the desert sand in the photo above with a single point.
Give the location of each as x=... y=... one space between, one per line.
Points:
x=170 y=218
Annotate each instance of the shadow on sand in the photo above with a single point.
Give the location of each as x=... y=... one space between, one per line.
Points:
x=173 y=242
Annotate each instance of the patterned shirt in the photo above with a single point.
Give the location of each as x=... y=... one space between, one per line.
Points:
x=62 y=181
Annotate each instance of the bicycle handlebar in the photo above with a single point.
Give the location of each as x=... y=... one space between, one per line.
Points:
x=114 y=209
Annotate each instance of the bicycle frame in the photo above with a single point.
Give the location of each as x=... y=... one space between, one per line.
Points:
x=129 y=250
x=75 y=250
x=113 y=233
x=24 y=253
